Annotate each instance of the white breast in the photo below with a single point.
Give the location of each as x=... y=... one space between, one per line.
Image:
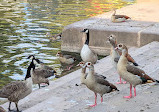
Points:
x=87 y=55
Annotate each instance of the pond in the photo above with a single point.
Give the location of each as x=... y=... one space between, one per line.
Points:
x=25 y=23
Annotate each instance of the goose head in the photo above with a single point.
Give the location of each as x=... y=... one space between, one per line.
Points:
x=122 y=48
x=81 y=64
x=114 y=11
x=59 y=54
x=37 y=62
x=112 y=40
x=31 y=57
x=85 y=31
x=89 y=65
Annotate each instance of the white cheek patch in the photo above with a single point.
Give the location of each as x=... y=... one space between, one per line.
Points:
x=35 y=62
x=31 y=57
x=86 y=31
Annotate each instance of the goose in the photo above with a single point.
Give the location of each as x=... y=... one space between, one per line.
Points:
x=41 y=72
x=40 y=64
x=66 y=60
x=18 y=90
x=87 y=54
x=115 y=54
x=56 y=37
x=84 y=74
x=136 y=76
x=97 y=85
x=2 y=109
x=118 y=18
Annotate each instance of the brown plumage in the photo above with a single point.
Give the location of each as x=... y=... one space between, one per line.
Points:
x=131 y=74
x=115 y=54
x=17 y=90
x=118 y=18
x=66 y=60
x=84 y=74
x=97 y=85
x=41 y=72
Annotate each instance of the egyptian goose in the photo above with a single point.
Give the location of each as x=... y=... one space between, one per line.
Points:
x=41 y=72
x=87 y=54
x=18 y=90
x=84 y=74
x=97 y=85
x=118 y=18
x=136 y=76
x=56 y=37
x=115 y=54
x=66 y=60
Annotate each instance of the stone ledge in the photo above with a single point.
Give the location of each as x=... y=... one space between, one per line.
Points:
x=139 y=31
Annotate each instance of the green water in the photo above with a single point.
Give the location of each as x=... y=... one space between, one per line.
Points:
x=24 y=24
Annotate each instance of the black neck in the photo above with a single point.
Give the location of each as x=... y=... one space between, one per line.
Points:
x=29 y=70
x=87 y=40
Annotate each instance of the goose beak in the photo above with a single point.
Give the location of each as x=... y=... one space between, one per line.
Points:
x=84 y=66
x=116 y=48
x=82 y=31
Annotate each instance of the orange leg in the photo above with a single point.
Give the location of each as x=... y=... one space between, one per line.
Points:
x=130 y=96
x=121 y=81
x=95 y=103
x=134 y=91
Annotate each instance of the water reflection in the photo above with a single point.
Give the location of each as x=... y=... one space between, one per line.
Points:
x=24 y=24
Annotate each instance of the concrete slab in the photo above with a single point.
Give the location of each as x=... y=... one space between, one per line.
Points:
x=142 y=29
x=63 y=96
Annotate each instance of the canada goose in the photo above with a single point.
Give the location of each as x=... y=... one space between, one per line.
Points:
x=87 y=54
x=2 y=109
x=17 y=90
x=41 y=72
x=118 y=18
x=84 y=74
x=115 y=54
x=97 y=85
x=66 y=60
x=39 y=63
x=136 y=76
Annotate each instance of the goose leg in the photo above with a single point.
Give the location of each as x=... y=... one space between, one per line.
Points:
x=70 y=67
x=130 y=96
x=16 y=103
x=95 y=103
x=101 y=99
x=39 y=86
x=9 y=106
x=134 y=91
x=124 y=82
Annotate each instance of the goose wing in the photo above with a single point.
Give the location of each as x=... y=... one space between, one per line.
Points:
x=96 y=76
x=67 y=56
x=129 y=58
x=43 y=72
x=47 y=67
x=121 y=16
x=105 y=82
x=11 y=88
x=139 y=72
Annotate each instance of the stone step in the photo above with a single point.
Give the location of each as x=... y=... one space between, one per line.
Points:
x=63 y=95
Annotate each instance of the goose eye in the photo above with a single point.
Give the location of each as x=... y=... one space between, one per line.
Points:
x=81 y=62
x=89 y=63
x=120 y=45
